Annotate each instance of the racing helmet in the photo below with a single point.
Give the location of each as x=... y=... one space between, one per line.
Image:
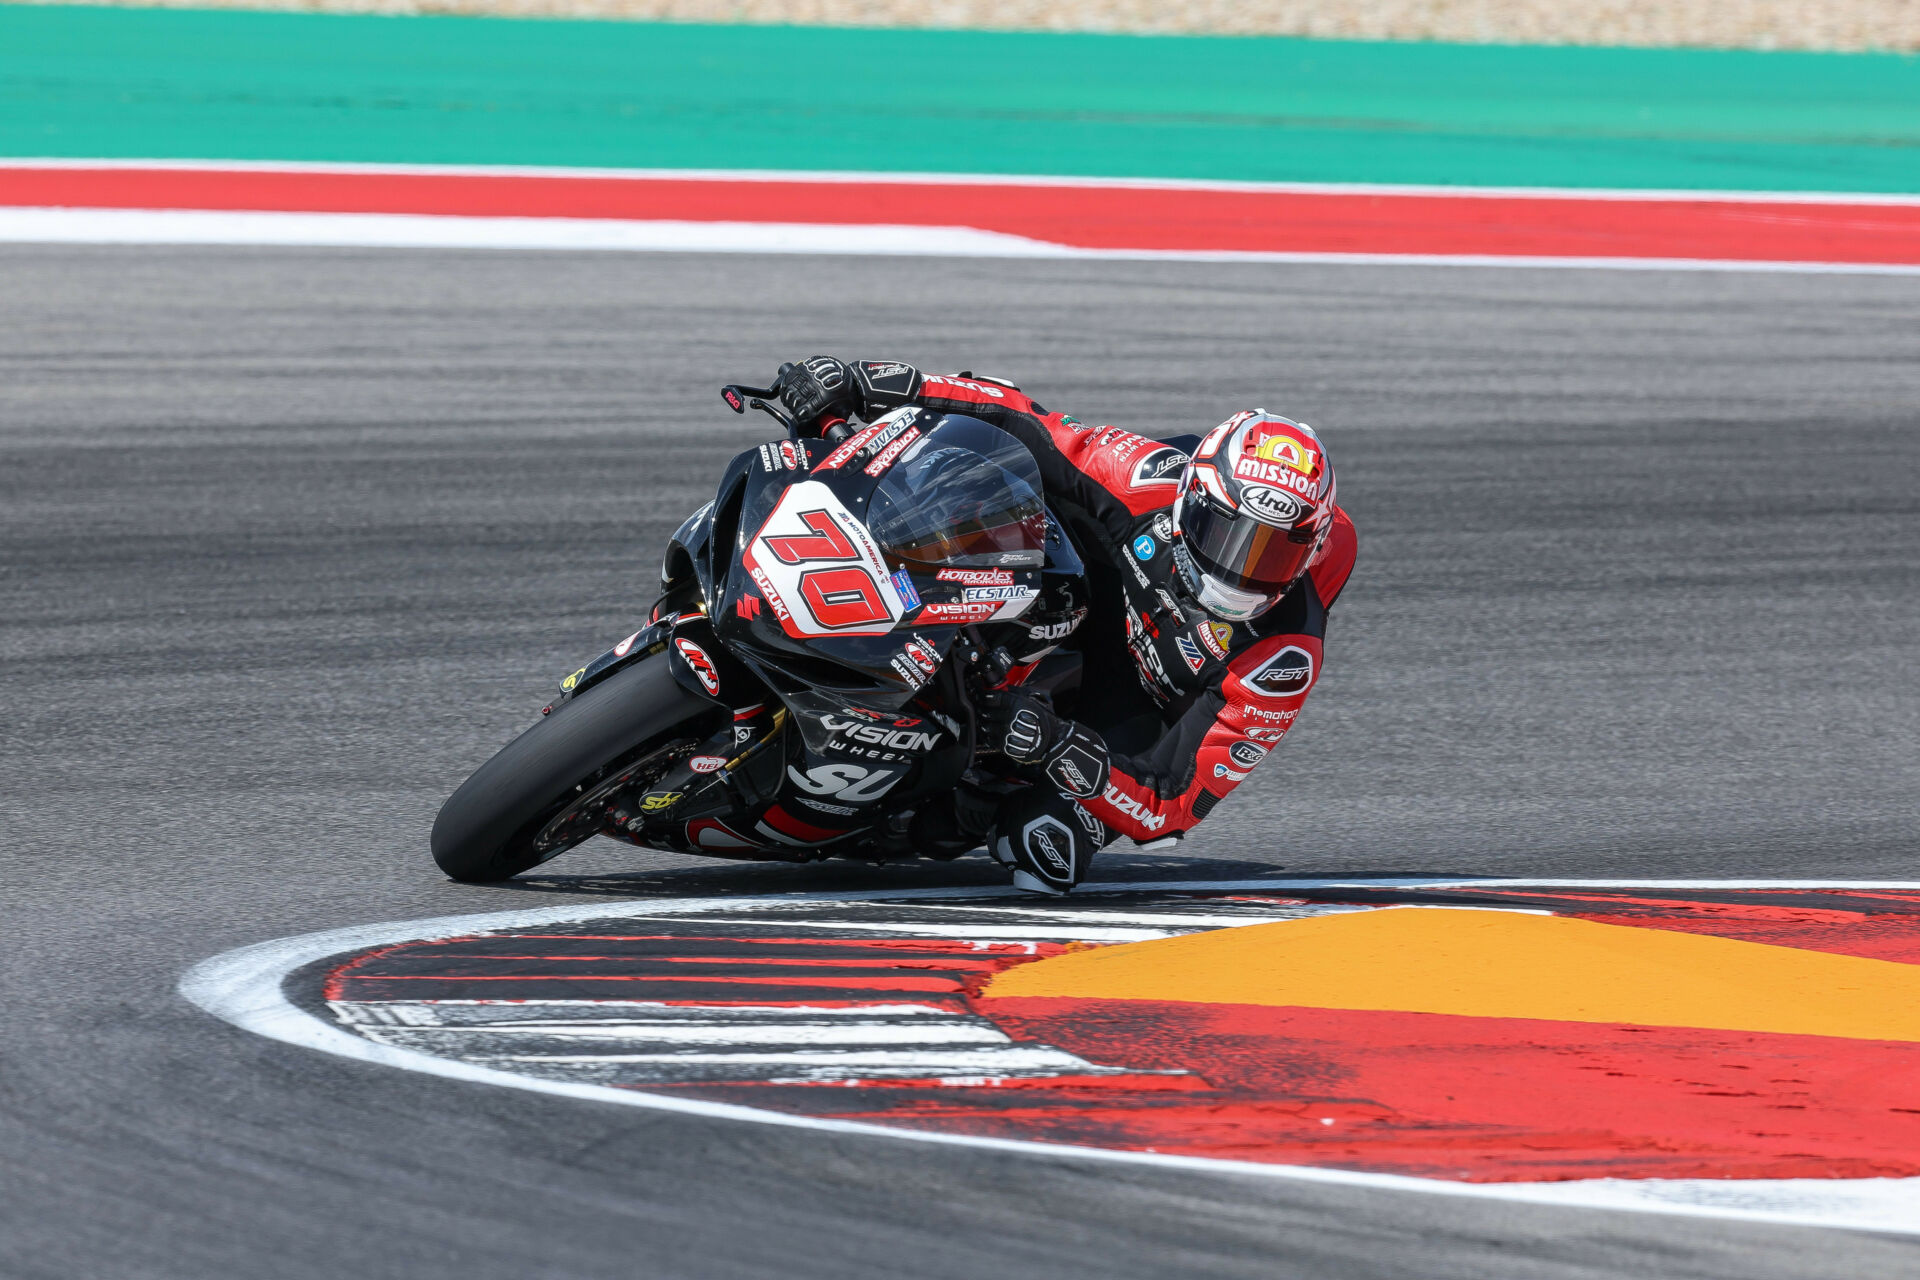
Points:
x=1254 y=510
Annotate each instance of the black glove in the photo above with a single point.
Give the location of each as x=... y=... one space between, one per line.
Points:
x=816 y=388
x=822 y=386
x=1041 y=745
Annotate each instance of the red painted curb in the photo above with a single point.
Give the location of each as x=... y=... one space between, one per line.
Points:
x=743 y=1010
x=1119 y=218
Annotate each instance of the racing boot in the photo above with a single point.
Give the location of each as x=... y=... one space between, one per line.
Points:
x=1047 y=839
x=952 y=824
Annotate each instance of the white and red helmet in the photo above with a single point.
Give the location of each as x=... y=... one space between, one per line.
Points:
x=1256 y=504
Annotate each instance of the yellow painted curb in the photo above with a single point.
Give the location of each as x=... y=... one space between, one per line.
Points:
x=1498 y=964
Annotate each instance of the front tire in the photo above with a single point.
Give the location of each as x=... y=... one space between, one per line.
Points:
x=492 y=827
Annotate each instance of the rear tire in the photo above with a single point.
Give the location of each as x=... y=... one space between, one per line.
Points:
x=489 y=828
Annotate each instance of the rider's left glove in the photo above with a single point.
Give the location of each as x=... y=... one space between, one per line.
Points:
x=1042 y=746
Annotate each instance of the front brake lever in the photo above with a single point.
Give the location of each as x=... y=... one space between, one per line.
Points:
x=740 y=399
x=793 y=428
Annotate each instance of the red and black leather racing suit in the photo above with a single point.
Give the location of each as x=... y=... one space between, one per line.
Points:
x=1213 y=698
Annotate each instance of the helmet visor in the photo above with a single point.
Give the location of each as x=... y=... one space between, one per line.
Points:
x=1242 y=552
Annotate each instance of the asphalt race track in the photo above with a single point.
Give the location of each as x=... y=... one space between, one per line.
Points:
x=291 y=540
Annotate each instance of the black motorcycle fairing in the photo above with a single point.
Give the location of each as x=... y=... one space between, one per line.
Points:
x=713 y=561
x=813 y=750
x=686 y=548
x=816 y=600
x=643 y=643
x=702 y=665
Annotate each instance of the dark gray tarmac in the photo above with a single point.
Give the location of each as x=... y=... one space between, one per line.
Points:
x=291 y=540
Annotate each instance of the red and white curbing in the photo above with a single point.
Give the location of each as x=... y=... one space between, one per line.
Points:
x=1000 y=216
x=245 y=987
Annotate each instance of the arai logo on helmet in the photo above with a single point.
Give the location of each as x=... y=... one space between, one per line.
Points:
x=1144 y=547
x=1270 y=506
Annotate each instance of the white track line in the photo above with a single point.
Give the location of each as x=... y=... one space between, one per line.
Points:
x=432 y=231
x=20 y=225
x=243 y=987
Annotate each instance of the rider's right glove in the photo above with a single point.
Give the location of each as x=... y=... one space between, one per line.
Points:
x=817 y=388
x=822 y=387
x=1041 y=746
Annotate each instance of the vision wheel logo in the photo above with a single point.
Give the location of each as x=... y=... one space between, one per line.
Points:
x=1606 y=1046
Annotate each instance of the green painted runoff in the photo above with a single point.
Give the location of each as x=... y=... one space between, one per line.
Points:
x=108 y=82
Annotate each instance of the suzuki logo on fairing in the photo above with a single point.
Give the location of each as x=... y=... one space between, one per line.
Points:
x=897 y=739
x=853 y=783
x=1135 y=809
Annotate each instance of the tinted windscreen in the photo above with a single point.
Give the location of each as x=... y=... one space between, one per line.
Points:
x=967 y=495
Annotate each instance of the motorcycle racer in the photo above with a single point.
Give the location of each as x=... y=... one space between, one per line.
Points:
x=1212 y=576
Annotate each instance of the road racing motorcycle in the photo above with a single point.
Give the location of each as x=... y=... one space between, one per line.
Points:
x=805 y=685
